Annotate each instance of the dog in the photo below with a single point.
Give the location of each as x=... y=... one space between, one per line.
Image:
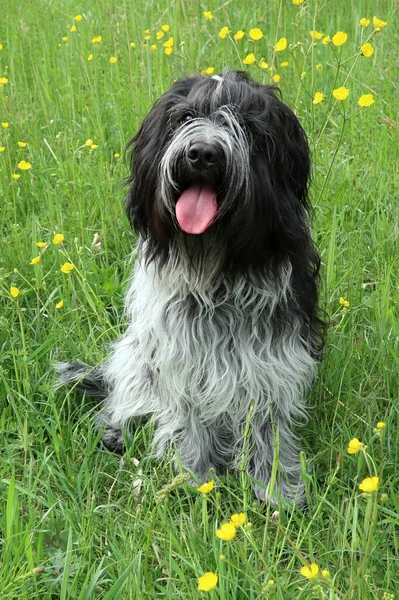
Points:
x=224 y=326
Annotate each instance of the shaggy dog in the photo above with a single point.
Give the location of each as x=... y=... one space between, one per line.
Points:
x=222 y=305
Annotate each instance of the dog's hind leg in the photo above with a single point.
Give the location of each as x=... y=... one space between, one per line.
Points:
x=84 y=378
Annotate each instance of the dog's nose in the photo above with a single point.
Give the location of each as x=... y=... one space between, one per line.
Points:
x=202 y=155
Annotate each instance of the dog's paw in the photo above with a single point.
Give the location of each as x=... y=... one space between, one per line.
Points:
x=113 y=439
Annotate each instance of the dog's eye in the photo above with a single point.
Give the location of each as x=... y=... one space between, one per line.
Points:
x=187 y=118
x=243 y=127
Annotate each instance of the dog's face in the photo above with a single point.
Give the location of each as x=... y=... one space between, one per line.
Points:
x=224 y=156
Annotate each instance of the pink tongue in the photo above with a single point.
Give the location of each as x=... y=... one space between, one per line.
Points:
x=196 y=208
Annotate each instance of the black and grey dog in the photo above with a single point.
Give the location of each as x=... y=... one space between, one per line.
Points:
x=222 y=305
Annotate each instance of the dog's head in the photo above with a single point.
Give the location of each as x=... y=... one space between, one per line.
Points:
x=223 y=157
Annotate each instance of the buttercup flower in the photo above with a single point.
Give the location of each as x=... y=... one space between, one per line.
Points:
x=165 y=28
x=89 y=143
x=208 y=15
x=3 y=80
x=364 y=22
x=378 y=23
x=325 y=573
x=132 y=45
x=226 y=532
x=238 y=519
x=341 y=94
x=249 y=59
x=366 y=100
x=239 y=35
x=326 y=40
x=159 y=34
x=78 y=18
x=367 y=50
x=310 y=572
x=14 y=292
x=318 y=97
x=59 y=304
x=67 y=267
x=113 y=60
x=207 y=581
x=319 y=67
x=354 y=446
x=281 y=45
x=343 y=302
x=297 y=2
x=284 y=63
x=206 y=487
x=381 y=425
x=58 y=238
x=15 y=175
x=117 y=155
x=255 y=34
x=208 y=71
x=263 y=64
x=224 y=32
x=35 y=260
x=22 y=144
x=24 y=165
x=339 y=38
x=73 y=28
x=90 y=57
x=2 y=148
x=168 y=45
x=316 y=35
x=97 y=40
x=369 y=484
x=5 y=125
x=65 y=38
x=276 y=78
x=41 y=244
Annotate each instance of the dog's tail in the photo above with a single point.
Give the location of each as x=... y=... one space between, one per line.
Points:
x=84 y=378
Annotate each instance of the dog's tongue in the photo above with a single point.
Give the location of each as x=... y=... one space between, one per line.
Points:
x=196 y=208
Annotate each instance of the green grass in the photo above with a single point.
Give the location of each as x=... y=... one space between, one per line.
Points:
x=72 y=524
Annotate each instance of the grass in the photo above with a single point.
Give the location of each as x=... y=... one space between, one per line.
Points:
x=78 y=522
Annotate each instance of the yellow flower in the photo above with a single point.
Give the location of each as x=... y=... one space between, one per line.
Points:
x=5 y=125
x=97 y=40
x=169 y=43
x=89 y=143
x=343 y=302
x=168 y=51
x=276 y=78
x=67 y=267
x=2 y=148
x=326 y=40
x=249 y=59
x=319 y=67
x=378 y=23
x=3 y=80
x=263 y=64
x=369 y=484
x=281 y=45
x=132 y=45
x=15 y=175
x=226 y=532
x=113 y=60
x=206 y=487
x=366 y=100
x=207 y=581
x=271 y=582
x=325 y=573
x=22 y=144
x=59 y=304
x=58 y=238
x=35 y=260
x=367 y=50
x=14 y=291
x=310 y=572
x=1 y=46
x=303 y=74
x=147 y=31
x=159 y=35
x=117 y=155
x=255 y=34
x=284 y=63
x=78 y=18
x=208 y=71
x=297 y=2
x=165 y=28
x=381 y=425
x=238 y=519
x=24 y=165
x=341 y=94
x=208 y=15
x=354 y=446
x=316 y=35
x=41 y=244
x=339 y=38
x=73 y=28
x=90 y=57
x=238 y=35
x=318 y=97
x=364 y=22
x=224 y=32
x=65 y=38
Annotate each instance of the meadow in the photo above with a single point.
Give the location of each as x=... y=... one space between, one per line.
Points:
x=80 y=523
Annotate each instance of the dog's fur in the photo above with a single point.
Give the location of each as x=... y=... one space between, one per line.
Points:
x=226 y=319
